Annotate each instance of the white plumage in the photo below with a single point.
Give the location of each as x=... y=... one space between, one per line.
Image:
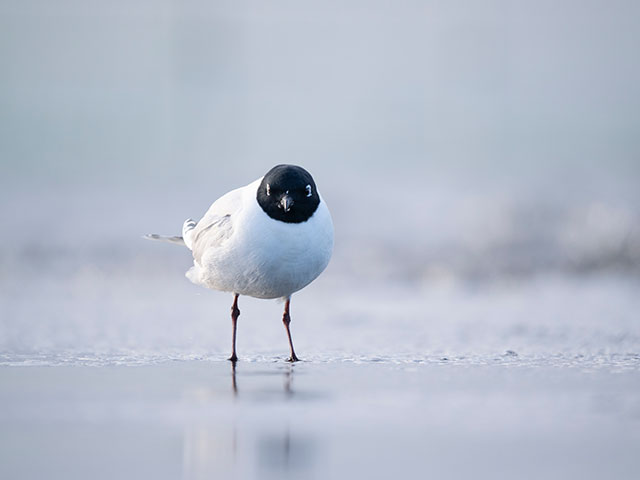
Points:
x=238 y=248
x=268 y=239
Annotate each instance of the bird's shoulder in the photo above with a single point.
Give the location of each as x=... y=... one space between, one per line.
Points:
x=227 y=204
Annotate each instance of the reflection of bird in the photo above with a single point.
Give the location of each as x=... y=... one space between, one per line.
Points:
x=268 y=239
x=288 y=381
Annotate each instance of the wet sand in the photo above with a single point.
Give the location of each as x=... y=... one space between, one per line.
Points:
x=489 y=417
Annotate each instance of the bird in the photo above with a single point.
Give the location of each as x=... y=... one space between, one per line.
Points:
x=268 y=240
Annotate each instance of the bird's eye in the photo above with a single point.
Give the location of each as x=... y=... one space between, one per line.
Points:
x=268 y=189
x=308 y=187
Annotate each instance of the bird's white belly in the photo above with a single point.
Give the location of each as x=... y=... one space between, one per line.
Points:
x=266 y=258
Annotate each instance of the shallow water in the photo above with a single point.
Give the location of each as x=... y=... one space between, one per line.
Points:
x=501 y=418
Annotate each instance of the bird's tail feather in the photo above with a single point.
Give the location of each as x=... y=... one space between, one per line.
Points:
x=187 y=231
x=175 y=239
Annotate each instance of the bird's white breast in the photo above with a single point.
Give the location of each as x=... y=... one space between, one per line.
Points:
x=266 y=258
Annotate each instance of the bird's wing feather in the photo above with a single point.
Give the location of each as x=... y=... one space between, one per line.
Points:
x=217 y=224
x=211 y=236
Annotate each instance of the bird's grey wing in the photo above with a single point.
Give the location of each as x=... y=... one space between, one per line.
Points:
x=210 y=232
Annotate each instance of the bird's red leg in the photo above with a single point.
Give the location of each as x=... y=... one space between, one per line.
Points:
x=235 y=313
x=286 y=319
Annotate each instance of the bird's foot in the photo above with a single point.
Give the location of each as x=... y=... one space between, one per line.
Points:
x=293 y=358
x=233 y=358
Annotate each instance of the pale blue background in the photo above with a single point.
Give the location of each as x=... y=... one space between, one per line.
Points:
x=480 y=315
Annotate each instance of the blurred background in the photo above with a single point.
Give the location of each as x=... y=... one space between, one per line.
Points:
x=479 y=318
x=481 y=161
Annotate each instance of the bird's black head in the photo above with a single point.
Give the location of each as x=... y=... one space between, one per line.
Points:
x=288 y=193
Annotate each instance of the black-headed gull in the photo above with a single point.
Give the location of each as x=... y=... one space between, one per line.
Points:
x=268 y=239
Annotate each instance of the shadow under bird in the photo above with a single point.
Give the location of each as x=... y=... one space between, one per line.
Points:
x=268 y=240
